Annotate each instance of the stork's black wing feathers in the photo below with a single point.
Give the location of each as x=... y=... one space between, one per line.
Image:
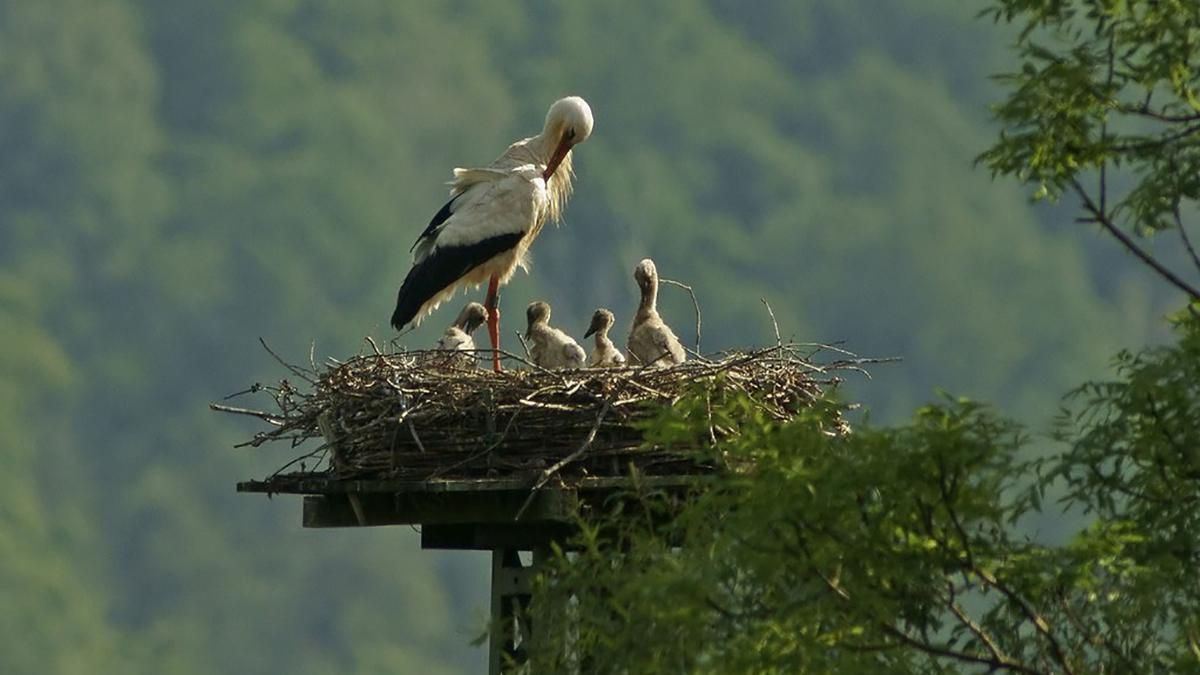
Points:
x=442 y=267
x=440 y=217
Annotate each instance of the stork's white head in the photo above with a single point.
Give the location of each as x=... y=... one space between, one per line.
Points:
x=569 y=119
x=568 y=123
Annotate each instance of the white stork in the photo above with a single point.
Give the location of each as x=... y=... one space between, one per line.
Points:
x=484 y=232
x=651 y=340
x=552 y=348
x=605 y=354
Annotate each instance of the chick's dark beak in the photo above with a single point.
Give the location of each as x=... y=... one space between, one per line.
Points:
x=590 y=331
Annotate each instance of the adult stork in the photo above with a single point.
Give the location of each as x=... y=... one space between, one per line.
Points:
x=484 y=232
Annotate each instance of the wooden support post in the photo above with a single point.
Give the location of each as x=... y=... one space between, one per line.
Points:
x=473 y=514
x=512 y=591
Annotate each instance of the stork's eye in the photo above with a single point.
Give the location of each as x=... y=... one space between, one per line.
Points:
x=571 y=134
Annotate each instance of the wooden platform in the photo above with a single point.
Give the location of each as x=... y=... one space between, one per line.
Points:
x=501 y=515
x=475 y=514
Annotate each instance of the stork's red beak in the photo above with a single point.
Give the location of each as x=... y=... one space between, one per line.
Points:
x=564 y=146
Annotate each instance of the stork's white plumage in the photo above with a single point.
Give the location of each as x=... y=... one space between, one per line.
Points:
x=552 y=348
x=605 y=354
x=483 y=233
x=651 y=340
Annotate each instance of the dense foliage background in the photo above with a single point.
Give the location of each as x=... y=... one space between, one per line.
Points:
x=178 y=178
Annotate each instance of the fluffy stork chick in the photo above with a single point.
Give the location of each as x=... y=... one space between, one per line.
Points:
x=552 y=349
x=457 y=337
x=606 y=354
x=484 y=232
x=651 y=341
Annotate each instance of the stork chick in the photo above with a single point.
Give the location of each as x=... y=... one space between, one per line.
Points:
x=552 y=348
x=458 y=337
x=651 y=341
x=606 y=354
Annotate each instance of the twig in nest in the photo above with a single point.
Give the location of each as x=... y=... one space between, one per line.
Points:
x=521 y=339
x=533 y=366
x=774 y=323
x=301 y=459
x=265 y=416
x=374 y=347
x=482 y=453
x=412 y=429
x=831 y=347
x=695 y=304
x=557 y=466
x=295 y=370
x=252 y=389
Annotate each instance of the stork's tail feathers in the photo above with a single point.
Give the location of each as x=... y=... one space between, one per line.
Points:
x=422 y=285
x=440 y=271
x=406 y=310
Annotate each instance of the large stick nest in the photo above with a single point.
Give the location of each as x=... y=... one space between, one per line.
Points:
x=415 y=416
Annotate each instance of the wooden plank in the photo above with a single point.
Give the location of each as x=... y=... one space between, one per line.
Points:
x=330 y=486
x=489 y=536
x=446 y=508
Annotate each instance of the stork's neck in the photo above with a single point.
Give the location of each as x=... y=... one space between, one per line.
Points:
x=649 y=305
x=559 y=185
x=539 y=330
x=602 y=340
x=537 y=150
x=559 y=188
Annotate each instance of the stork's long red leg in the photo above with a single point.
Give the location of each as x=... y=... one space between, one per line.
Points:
x=493 y=321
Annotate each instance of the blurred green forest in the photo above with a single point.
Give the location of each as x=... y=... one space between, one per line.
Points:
x=178 y=178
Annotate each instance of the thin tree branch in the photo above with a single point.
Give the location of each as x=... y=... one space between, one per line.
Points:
x=977 y=630
x=1153 y=144
x=557 y=466
x=1145 y=111
x=1187 y=241
x=994 y=662
x=1039 y=623
x=953 y=514
x=1103 y=220
x=1103 y=179
x=936 y=650
x=695 y=305
x=1092 y=638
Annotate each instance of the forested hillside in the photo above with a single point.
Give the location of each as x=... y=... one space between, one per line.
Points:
x=179 y=178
